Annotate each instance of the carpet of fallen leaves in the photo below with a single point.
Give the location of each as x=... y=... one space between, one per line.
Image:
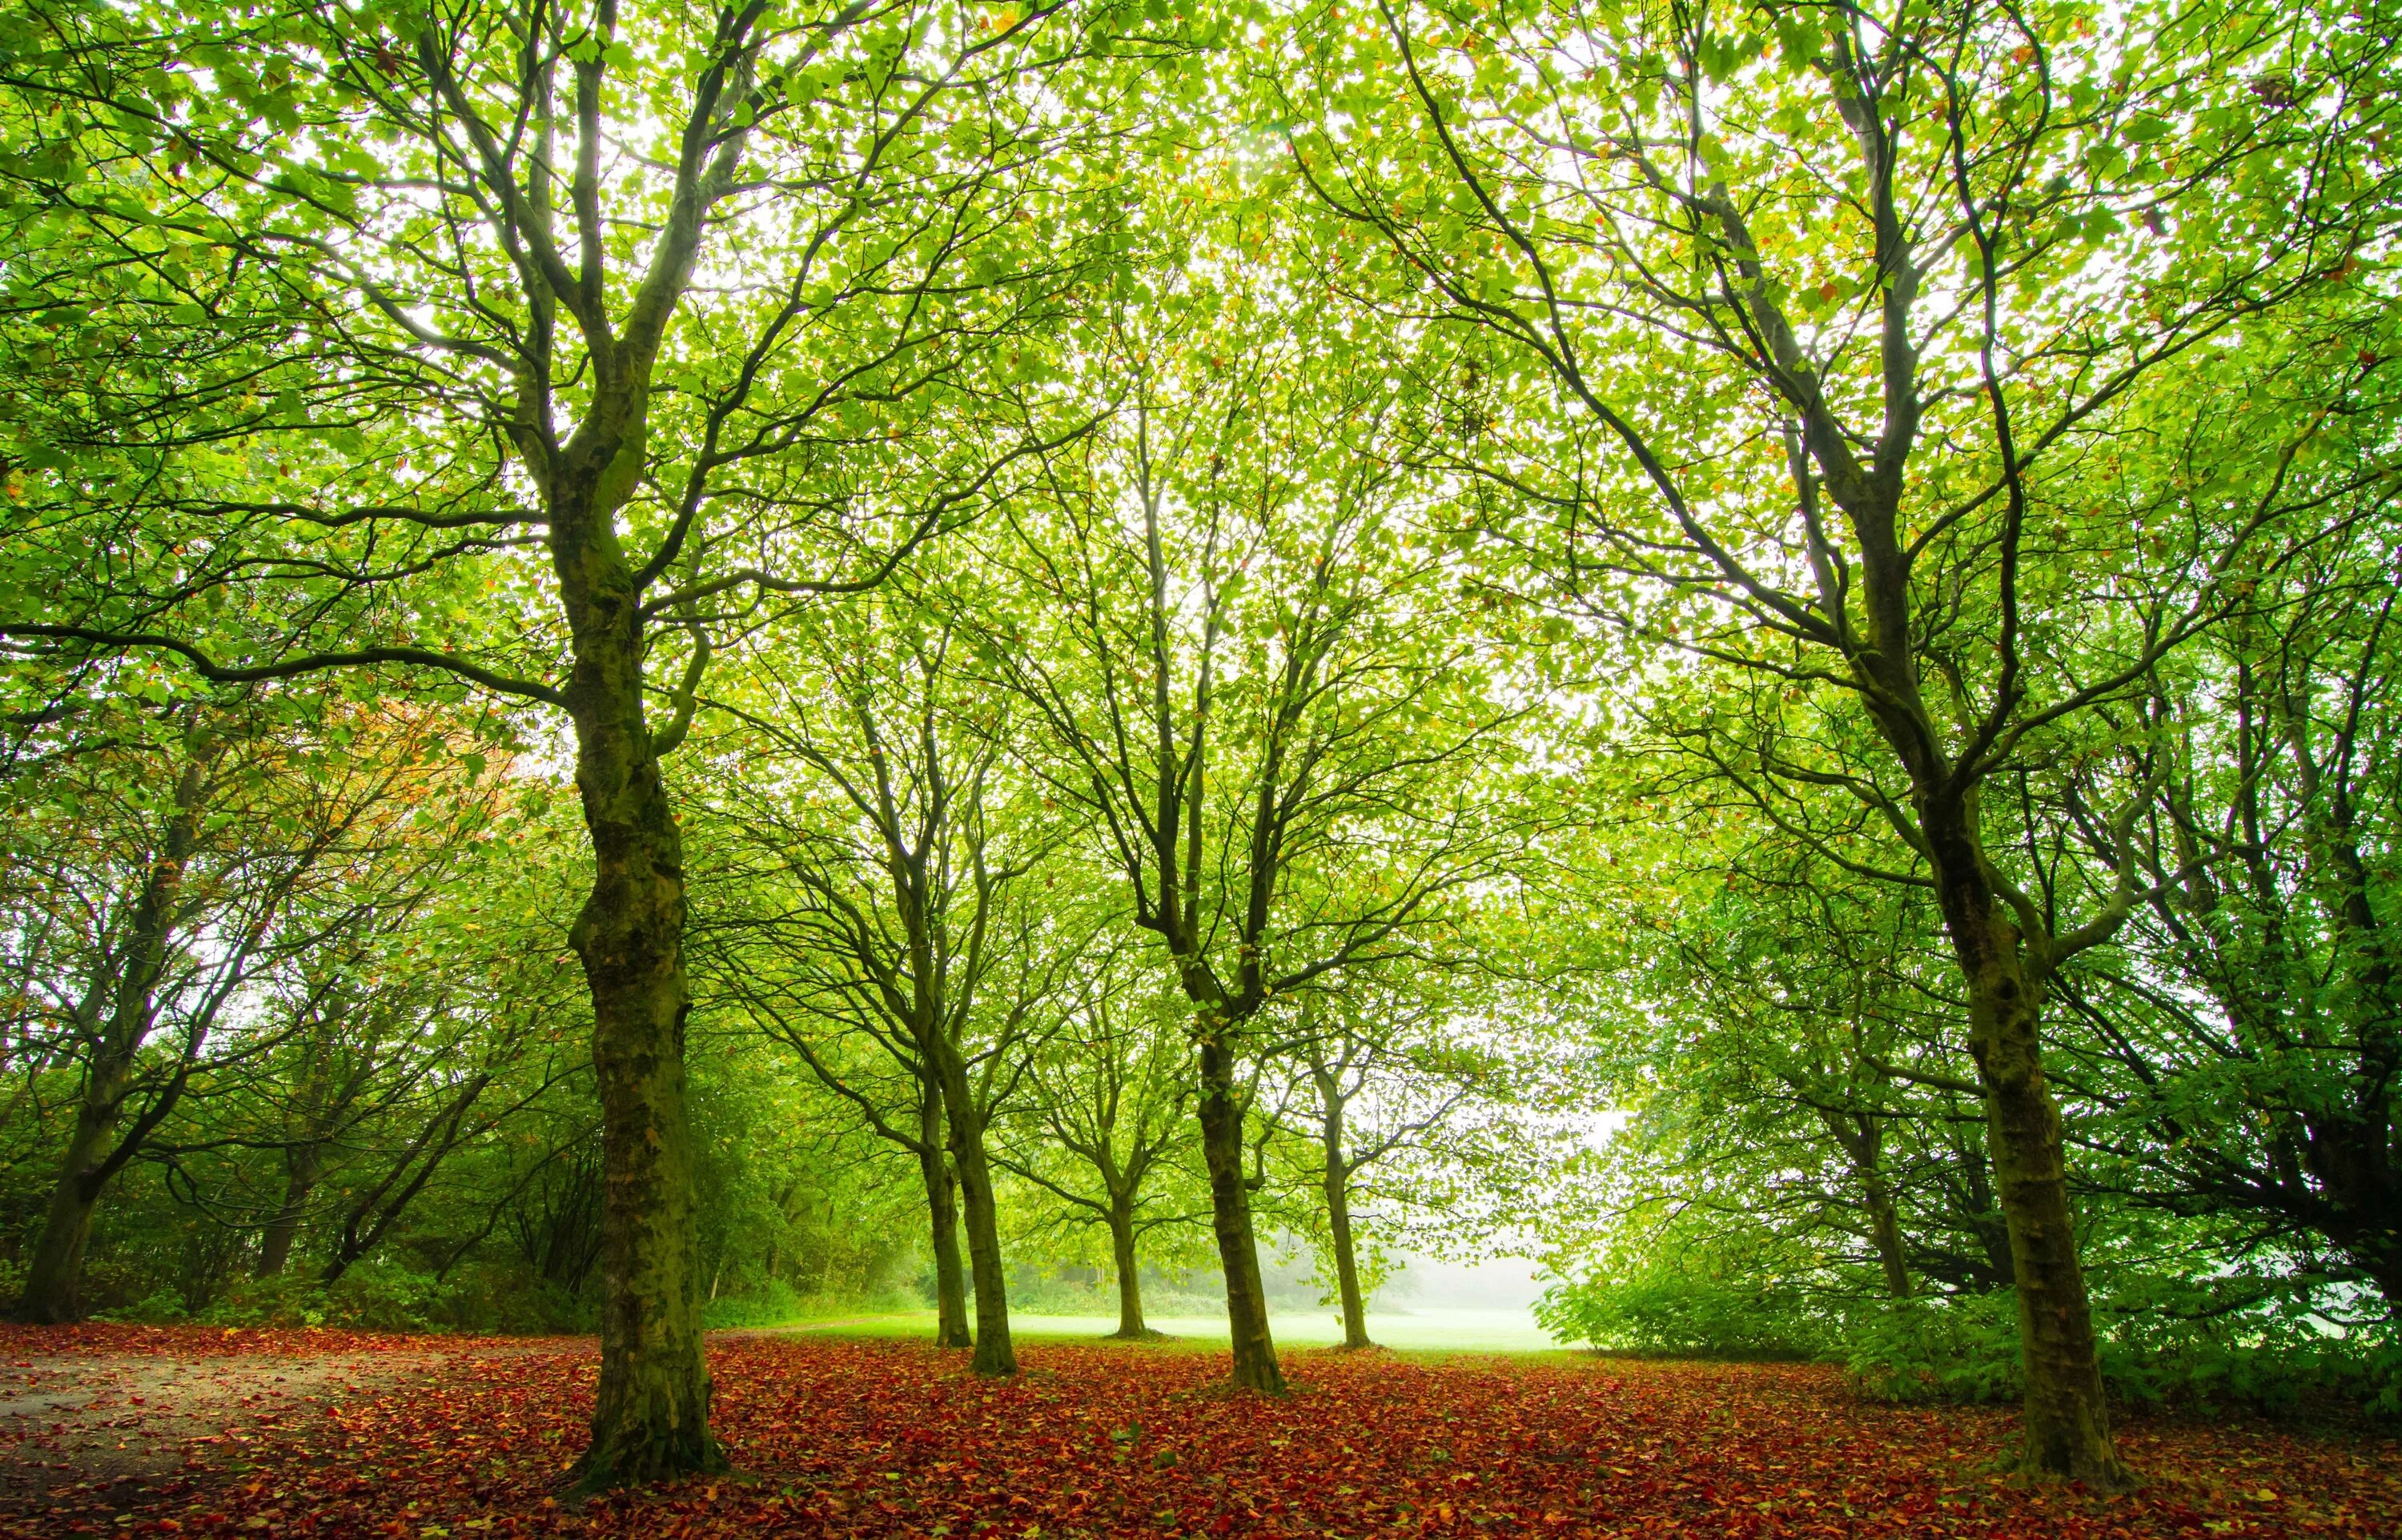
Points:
x=418 y=1436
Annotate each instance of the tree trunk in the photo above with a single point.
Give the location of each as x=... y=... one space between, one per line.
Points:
x=1122 y=1253
x=54 y=1276
x=1230 y=1206
x=994 y=1352
x=2067 y=1419
x=1884 y=1230
x=1861 y=1138
x=1338 y=1229
x=943 y=1209
x=1346 y=1265
x=649 y=1417
x=300 y=1169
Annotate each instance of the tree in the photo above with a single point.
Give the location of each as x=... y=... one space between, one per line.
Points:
x=215 y=840
x=1103 y=1127
x=1387 y=1069
x=705 y=307
x=1829 y=288
x=2245 y=1046
x=1231 y=629
x=909 y=852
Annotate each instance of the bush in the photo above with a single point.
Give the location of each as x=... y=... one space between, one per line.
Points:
x=386 y=1298
x=1961 y=1347
x=1679 y=1316
x=2262 y=1344
x=2229 y=1342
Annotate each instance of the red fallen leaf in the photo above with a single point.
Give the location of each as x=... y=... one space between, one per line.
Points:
x=853 y=1440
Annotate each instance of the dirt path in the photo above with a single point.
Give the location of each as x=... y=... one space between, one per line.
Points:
x=133 y=1428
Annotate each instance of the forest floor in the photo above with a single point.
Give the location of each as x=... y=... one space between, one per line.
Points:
x=125 y=1430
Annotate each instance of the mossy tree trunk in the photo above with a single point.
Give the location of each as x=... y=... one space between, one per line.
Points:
x=1124 y=1258
x=2067 y=1431
x=95 y=1151
x=650 y=1416
x=942 y=1210
x=1221 y=1112
x=965 y=1120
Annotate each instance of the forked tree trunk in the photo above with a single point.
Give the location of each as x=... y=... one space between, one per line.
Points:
x=994 y=1352
x=1862 y=1140
x=54 y=1275
x=650 y=1416
x=1123 y=1256
x=942 y=1210
x=1230 y=1209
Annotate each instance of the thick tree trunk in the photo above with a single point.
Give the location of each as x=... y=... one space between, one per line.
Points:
x=942 y=1210
x=1230 y=1206
x=2067 y=1418
x=2067 y=1422
x=1122 y=1255
x=300 y=1170
x=649 y=1417
x=994 y=1352
x=54 y=1275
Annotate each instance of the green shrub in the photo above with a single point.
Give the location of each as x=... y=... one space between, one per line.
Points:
x=1960 y=1347
x=1679 y=1316
x=387 y=1297
x=2228 y=1342
x=2262 y=1344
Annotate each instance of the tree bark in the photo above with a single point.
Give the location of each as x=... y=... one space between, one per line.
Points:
x=2067 y=1418
x=649 y=1417
x=943 y=1209
x=54 y=1275
x=1230 y=1205
x=1884 y=1231
x=301 y=1164
x=1122 y=1253
x=1861 y=1137
x=1338 y=1227
x=994 y=1352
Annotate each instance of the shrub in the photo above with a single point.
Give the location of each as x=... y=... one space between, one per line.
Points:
x=1946 y=1348
x=1676 y=1315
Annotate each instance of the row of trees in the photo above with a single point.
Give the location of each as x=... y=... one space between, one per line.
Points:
x=1241 y=528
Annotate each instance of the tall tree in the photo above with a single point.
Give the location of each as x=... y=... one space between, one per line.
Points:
x=1818 y=294
x=875 y=776
x=1103 y=1129
x=1232 y=625
x=704 y=307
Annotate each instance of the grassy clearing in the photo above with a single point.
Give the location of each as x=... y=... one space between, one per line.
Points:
x=1440 y=1332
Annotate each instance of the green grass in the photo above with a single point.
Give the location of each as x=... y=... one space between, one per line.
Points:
x=1436 y=1332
